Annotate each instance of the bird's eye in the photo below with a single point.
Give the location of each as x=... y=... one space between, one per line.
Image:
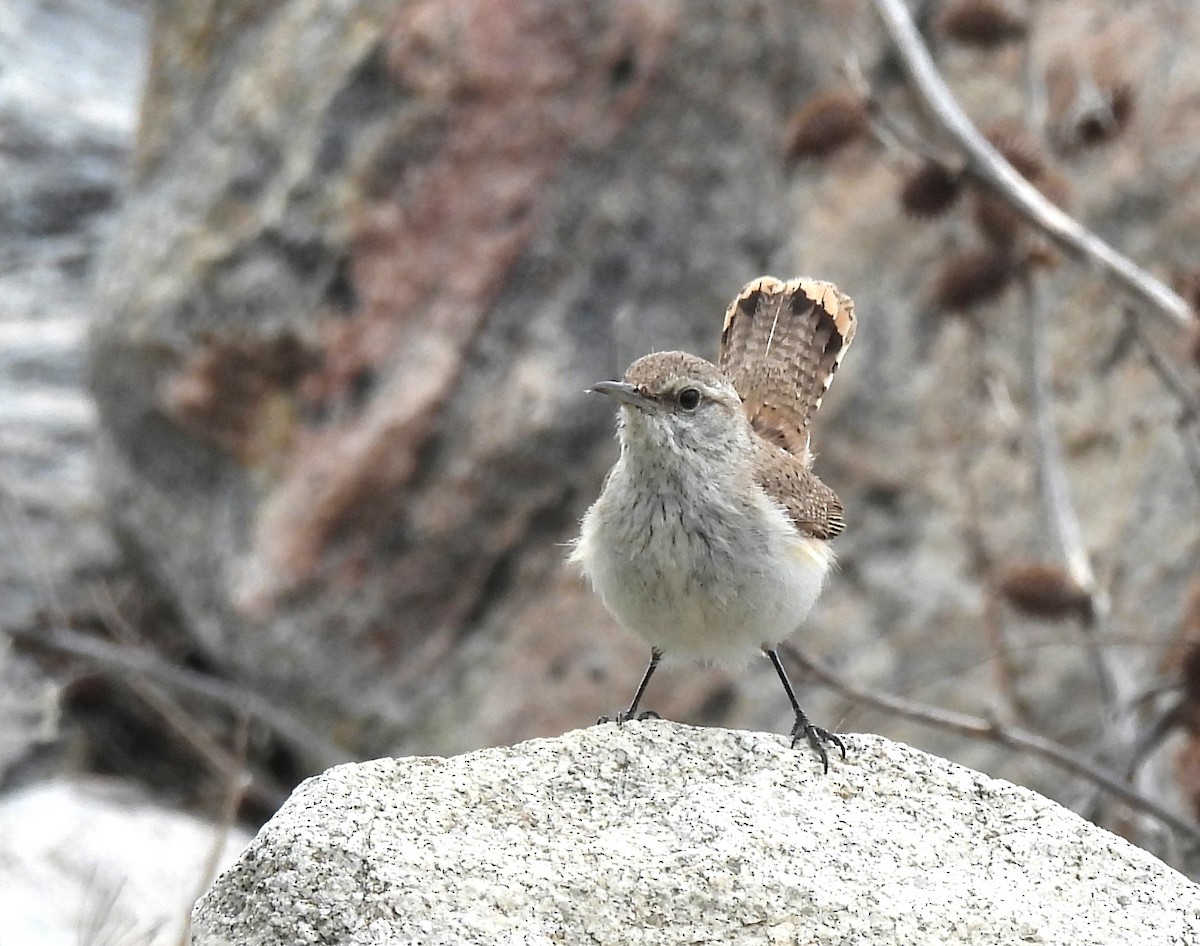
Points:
x=689 y=399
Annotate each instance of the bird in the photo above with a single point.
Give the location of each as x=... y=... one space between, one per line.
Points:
x=710 y=539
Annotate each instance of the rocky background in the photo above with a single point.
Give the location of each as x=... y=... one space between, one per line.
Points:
x=345 y=270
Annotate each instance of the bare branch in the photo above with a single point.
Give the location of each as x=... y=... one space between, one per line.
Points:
x=1171 y=377
x=129 y=661
x=1011 y=706
x=989 y=166
x=1010 y=736
x=1057 y=507
x=235 y=790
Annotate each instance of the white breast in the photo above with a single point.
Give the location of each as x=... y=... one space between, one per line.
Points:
x=695 y=574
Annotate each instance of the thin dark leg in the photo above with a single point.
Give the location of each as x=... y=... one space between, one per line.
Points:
x=816 y=736
x=631 y=713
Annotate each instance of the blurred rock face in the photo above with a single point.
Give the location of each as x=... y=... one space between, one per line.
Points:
x=368 y=265
x=371 y=258
x=70 y=75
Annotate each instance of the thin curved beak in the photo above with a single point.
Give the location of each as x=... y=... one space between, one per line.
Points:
x=624 y=394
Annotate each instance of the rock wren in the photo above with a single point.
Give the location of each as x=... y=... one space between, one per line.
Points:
x=711 y=536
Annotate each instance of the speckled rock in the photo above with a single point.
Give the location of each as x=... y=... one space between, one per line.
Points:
x=660 y=833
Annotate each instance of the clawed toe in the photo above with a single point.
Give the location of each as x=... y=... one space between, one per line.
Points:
x=817 y=738
x=627 y=717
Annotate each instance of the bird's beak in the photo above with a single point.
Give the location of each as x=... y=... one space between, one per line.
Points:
x=625 y=394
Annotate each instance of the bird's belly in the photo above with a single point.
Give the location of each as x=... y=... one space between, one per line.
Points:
x=712 y=584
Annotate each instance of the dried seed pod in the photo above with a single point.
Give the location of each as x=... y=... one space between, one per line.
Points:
x=1019 y=147
x=999 y=222
x=930 y=190
x=826 y=122
x=971 y=278
x=995 y=218
x=1103 y=117
x=984 y=24
x=1044 y=591
x=1056 y=188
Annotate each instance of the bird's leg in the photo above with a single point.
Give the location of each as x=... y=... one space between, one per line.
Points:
x=631 y=713
x=816 y=736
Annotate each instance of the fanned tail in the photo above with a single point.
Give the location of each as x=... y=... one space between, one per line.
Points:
x=781 y=345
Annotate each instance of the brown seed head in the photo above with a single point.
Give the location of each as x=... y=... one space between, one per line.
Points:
x=971 y=278
x=1019 y=147
x=930 y=190
x=1056 y=188
x=1043 y=591
x=984 y=24
x=995 y=218
x=1100 y=124
x=828 y=121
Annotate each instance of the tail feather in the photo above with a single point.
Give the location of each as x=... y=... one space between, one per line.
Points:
x=781 y=345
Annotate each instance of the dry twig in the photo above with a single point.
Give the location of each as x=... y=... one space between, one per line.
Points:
x=235 y=791
x=986 y=164
x=138 y=663
x=992 y=731
x=1057 y=507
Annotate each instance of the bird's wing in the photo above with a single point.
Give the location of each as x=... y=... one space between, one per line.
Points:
x=812 y=506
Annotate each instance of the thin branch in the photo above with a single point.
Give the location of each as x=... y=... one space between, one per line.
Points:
x=989 y=166
x=1177 y=385
x=177 y=717
x=262 y=789
x=891 y=135
x=1010 y=736
x=129 y=661
x=1161 y=725
x=1057 y=507
x=235 y=790
x=1036 y=98
x=1171 y=377
x=1004 y=670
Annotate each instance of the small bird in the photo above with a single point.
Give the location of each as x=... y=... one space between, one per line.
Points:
x=710 y=538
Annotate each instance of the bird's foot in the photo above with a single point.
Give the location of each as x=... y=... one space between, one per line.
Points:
x=627 y=717
x=817 y=738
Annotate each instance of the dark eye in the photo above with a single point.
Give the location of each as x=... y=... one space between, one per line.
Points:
x=689 y=399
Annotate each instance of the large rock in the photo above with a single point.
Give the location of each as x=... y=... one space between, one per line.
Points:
x=657 y=833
